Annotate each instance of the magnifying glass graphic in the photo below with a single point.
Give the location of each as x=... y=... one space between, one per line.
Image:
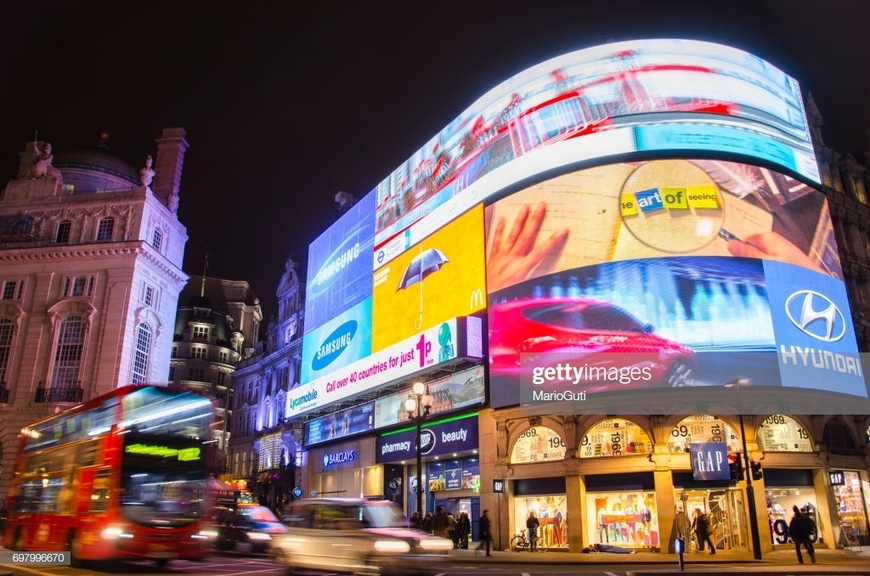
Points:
x=673 y=206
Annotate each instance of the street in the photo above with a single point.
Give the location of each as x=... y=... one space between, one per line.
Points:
x=466 y=563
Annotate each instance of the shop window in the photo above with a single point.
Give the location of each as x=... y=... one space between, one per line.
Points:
x=626 y=519
x=702 y=428
x=550 y=510
x=538 y=444
x=781 y=433
x=614 y=437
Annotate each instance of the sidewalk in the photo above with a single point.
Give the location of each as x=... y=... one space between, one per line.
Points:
x=828 y=561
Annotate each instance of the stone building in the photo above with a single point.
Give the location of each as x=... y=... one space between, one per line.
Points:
x=217 y=325
x=91 y=251
x=264 y=450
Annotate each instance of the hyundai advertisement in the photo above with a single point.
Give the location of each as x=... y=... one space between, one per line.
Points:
x=659 y=276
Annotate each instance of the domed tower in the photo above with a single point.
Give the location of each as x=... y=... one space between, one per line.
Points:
x=90 y=273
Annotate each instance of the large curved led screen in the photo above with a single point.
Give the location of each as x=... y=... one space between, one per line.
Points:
x=664 y=96
x=667 y=274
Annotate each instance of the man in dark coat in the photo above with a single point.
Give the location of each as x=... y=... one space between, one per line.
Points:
x=801 y=530
x=485 y=533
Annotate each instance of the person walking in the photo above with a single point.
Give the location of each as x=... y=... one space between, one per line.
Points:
x=532 y=524
x=485 y=533
x=703 y=530
x=463 y=529
x=801 y=531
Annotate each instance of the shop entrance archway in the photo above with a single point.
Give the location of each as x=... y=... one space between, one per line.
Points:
x=726 y=510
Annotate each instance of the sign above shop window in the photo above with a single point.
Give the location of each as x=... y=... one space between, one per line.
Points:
x=710 y=461
x=837 y=478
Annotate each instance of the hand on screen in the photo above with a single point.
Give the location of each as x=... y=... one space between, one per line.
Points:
x=772 y=246
x=513 y=258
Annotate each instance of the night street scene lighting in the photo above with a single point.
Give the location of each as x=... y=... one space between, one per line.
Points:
x=417 y=405
x=747 y=471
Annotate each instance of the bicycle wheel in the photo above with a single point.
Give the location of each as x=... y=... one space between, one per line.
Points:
x=518 y=544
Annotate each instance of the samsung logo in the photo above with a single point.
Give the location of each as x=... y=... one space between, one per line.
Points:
x=334 y=345
x=336 y=264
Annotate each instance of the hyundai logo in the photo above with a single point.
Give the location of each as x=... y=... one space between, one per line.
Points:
x=815 y=315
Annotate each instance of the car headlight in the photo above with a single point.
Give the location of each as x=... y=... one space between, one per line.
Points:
x=392 y=546
x=258 y=536
x=208 y=533
x=436 y=544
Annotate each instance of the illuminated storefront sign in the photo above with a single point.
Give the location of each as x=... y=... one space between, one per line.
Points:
x=440 y=437
x=710 y=461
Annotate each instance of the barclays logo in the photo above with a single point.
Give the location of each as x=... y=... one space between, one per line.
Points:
x=816 y=315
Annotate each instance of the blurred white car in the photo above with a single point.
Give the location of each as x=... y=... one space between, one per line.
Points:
x=354 y=535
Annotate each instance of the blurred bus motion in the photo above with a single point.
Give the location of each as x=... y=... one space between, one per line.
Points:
x=118 y=477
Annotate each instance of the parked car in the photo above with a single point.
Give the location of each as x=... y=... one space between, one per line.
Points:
x=249 y=526
x=591 y=333
x=352 y=535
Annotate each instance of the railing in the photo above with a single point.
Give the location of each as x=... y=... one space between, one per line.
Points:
x=58 y=394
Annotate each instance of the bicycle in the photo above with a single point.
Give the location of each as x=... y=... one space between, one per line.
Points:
x=519 y=542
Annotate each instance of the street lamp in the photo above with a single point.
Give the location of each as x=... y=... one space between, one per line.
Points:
x=417 y=405
x=747 y=471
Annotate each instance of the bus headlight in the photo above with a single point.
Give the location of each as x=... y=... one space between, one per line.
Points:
x=113 y=532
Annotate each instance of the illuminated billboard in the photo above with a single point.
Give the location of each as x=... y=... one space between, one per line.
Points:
x=663 y=96
x=441 y=277
x=337 y=343
x=667 y=274
x=340 y=265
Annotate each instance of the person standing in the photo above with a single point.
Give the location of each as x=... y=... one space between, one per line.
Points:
x=440 y=522
x=703 y=531
x=485 y=533
x=532 y=524
x=801 y=531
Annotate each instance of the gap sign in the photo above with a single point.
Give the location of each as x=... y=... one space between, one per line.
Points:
x=710 y=461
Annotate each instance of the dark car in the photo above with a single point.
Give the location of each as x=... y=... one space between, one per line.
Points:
x=592 y=334
x=248 y=527
x=357 y=536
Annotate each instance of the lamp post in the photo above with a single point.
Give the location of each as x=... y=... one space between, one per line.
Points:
x=747 y=472
x=417 y=405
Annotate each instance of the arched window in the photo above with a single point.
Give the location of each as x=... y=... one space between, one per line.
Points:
x=838 y=438
x=68 y=352
x=538 y=444
x=614 y=437
x=781 y=433
x=702 y=428
x=141 y=355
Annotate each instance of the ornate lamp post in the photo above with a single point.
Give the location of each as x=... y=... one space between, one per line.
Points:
x=747 y=471
x=417 y=405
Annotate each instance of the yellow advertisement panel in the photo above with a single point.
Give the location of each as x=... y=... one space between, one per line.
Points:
x=441 y=277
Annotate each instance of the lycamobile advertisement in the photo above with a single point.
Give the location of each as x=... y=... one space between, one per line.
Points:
x=340 y=265
x=615 y=99
x=430 y=347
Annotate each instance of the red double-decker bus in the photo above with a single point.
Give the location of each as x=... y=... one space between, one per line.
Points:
x=118 y=477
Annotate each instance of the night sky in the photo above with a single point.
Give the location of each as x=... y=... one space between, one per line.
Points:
x=287 y=102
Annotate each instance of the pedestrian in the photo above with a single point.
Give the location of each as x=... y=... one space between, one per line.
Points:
x=440 y=522
x=463 y=529
x=703 y=530
x=485 y=533
x=426 y=523
x=801 y=530
x=532 y=524
x=451 y=530
x=415 y=520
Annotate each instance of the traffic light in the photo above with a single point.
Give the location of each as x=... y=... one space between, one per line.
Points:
x=757 y=474
x=735 y=466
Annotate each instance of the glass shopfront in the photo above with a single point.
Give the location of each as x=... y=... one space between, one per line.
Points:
x=627 y=519
x=784 y=490
x=849 y=493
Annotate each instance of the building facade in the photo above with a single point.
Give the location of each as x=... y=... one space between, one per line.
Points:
x=217 y=325
x=264 y=455
x=619 y=274
x=90 y=265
